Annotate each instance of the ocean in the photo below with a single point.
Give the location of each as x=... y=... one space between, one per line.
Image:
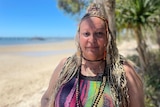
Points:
x=35 y=40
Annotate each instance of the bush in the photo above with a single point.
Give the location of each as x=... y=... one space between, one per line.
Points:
x=151 y=79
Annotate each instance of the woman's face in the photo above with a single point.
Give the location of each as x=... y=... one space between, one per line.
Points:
x=92 y=38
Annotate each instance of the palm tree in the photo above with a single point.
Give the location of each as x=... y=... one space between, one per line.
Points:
x=131 y=14
x=158 y=33
x=138 y=15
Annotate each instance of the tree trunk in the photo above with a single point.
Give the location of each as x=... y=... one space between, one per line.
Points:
x=109 y=6
x=141 y=48
x=158 y=35
x=110 y=9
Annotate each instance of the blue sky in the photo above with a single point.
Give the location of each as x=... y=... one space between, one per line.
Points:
x=34 y=18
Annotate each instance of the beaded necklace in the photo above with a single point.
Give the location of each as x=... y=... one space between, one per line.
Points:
x=100 y=91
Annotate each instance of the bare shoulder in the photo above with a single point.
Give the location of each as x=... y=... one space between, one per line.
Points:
x=57 y=71
x=132 y=75
x=46 y=97
x=135 y=86
x=60 y=65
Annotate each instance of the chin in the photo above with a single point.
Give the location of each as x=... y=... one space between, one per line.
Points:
x=91 y=57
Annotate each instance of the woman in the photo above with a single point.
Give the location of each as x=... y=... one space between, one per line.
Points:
x=96 y=76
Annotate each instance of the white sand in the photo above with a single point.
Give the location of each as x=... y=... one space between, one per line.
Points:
x=25 y=70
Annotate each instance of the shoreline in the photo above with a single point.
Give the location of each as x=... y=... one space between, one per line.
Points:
x=9 y=41
x=25 y=70
x=44 y=49
x=39 y=48
x=24 y=76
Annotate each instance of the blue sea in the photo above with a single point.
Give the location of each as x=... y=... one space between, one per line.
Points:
x=35 y=40
x=38 y=40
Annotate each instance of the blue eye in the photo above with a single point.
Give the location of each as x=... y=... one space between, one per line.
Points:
x=99 y=34
x=86 y=34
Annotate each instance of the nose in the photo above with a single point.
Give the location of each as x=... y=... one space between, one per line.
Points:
x=92 y=38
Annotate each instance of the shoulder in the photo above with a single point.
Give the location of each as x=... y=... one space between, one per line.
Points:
x=62 y=61
x=46 y=97
x=57 y=72
x=59 y=66
x=132 y=75
x=135 y=86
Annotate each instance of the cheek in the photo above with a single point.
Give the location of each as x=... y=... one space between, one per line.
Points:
x=82 y=42
x=102 y=43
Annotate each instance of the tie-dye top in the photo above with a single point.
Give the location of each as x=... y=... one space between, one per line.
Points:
x=89 y=86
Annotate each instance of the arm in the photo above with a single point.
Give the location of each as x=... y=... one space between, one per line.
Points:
x=46 y=97
x=135 y=87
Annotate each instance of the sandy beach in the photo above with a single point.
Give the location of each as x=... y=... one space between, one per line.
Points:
x=25 y=70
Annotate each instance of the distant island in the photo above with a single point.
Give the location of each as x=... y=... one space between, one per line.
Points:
x=37 y=38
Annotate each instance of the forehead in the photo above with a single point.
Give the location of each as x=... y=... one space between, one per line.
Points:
x=92 y=22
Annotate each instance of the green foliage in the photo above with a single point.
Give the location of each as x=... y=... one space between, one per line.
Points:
x=72 y=7
x=151 y=79
x=137 y=12
x=138 y=15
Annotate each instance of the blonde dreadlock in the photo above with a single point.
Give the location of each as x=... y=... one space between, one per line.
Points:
x=117 y=77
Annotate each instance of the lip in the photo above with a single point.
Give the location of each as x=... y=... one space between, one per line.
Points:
x=91 y=47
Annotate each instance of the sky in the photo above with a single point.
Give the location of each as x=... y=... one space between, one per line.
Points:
x=35 y=18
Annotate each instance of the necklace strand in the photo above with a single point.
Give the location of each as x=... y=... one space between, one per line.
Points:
x=100 y=91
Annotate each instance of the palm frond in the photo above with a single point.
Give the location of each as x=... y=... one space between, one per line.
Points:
x=137 y=12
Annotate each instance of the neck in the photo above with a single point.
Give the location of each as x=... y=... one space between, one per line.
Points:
x=97 y=60
x=92 y=68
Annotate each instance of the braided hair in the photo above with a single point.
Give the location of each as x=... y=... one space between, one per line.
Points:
x=116 y=74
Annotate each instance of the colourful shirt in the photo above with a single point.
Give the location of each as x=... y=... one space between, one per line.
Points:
x=89 y=87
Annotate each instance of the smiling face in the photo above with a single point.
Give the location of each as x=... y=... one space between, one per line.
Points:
x=92 y=38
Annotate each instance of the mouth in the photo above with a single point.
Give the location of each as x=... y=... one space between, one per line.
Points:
x=92 y=48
